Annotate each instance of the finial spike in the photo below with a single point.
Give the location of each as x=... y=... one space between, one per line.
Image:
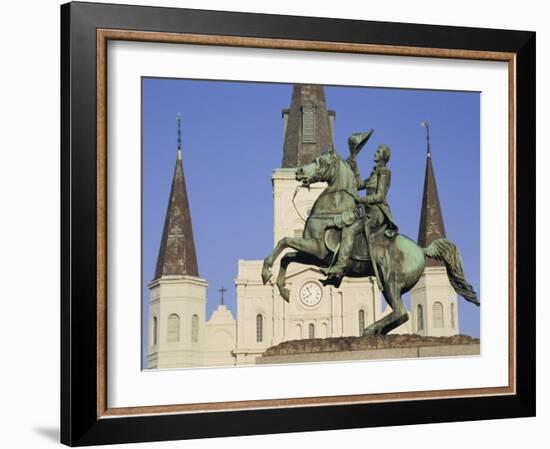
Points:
x=178 y=121
x=426 y=125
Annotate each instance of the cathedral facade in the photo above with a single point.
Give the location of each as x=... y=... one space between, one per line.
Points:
x=180 y=335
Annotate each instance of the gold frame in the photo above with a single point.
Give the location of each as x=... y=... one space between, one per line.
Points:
x=104 y=35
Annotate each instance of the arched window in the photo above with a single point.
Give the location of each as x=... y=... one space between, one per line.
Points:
x=173 y=327
x=195 y=328
x=155 y=330
x=419 y=317
x=324 y=330
x=298 y=332
x=361 y=322
x=438 y=314
x=311 y=329
x=259 y=328
x=453 y=315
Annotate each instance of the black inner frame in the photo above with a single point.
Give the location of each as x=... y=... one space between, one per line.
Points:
x=79 y=422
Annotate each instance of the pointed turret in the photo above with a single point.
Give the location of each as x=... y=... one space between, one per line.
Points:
x=308 y=126
x=431 y=226
x=177 y=256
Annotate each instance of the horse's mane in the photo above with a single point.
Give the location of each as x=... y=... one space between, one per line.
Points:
x=349 y=176
x=344 y=182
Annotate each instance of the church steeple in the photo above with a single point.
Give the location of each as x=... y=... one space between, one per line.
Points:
x=308 y=126
x=431 y=226
x=177 y=256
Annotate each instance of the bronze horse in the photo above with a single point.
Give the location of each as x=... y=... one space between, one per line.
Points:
x=400 y=260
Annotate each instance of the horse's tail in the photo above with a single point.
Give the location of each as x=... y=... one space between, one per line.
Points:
x=447 y=252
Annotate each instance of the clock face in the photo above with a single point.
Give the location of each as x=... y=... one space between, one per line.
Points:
x=311 y=294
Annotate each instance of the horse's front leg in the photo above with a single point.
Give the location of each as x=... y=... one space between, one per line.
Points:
x=286 y=260
x=312 y=247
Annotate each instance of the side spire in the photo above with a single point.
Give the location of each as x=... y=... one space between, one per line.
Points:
x=308 y=126
x=431 y=226
x=177 y=256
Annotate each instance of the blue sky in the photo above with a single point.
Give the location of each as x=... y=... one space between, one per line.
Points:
x=232 y=139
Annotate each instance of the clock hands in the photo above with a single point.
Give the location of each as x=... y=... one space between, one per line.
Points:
x=310 y=294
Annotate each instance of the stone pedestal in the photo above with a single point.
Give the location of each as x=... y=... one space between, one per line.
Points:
x=369 y=348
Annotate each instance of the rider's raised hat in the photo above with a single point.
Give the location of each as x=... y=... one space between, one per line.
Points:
x=357 y=140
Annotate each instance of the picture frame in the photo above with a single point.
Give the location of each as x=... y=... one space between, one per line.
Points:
x=86 y=28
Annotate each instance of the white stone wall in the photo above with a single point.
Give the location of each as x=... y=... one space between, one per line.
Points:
x=185 y=297
x=434 y=288
x=336 y=315
x=253 y=299
x=213 y=342
x=220 y=338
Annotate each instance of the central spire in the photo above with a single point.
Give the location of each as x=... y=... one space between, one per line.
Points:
x=177 y=256
x=431 y=226
x=308 y=126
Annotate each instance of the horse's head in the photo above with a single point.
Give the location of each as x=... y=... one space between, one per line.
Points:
x=322 y=169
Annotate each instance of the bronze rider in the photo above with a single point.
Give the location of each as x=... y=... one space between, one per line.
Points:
x=377 y=210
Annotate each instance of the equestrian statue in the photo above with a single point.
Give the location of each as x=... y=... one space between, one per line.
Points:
x=355 y=236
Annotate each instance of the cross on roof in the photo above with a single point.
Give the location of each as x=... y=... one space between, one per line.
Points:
x=222 y=290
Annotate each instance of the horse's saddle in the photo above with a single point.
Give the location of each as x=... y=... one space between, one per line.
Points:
x=360 y=250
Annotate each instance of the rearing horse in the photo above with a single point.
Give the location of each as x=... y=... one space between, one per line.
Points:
x=400 y=260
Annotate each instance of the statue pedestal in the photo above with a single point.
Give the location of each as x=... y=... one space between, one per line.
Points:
x=369 y=348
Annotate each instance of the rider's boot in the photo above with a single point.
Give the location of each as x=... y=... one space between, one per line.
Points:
x=334 y=281
x=346 y=246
